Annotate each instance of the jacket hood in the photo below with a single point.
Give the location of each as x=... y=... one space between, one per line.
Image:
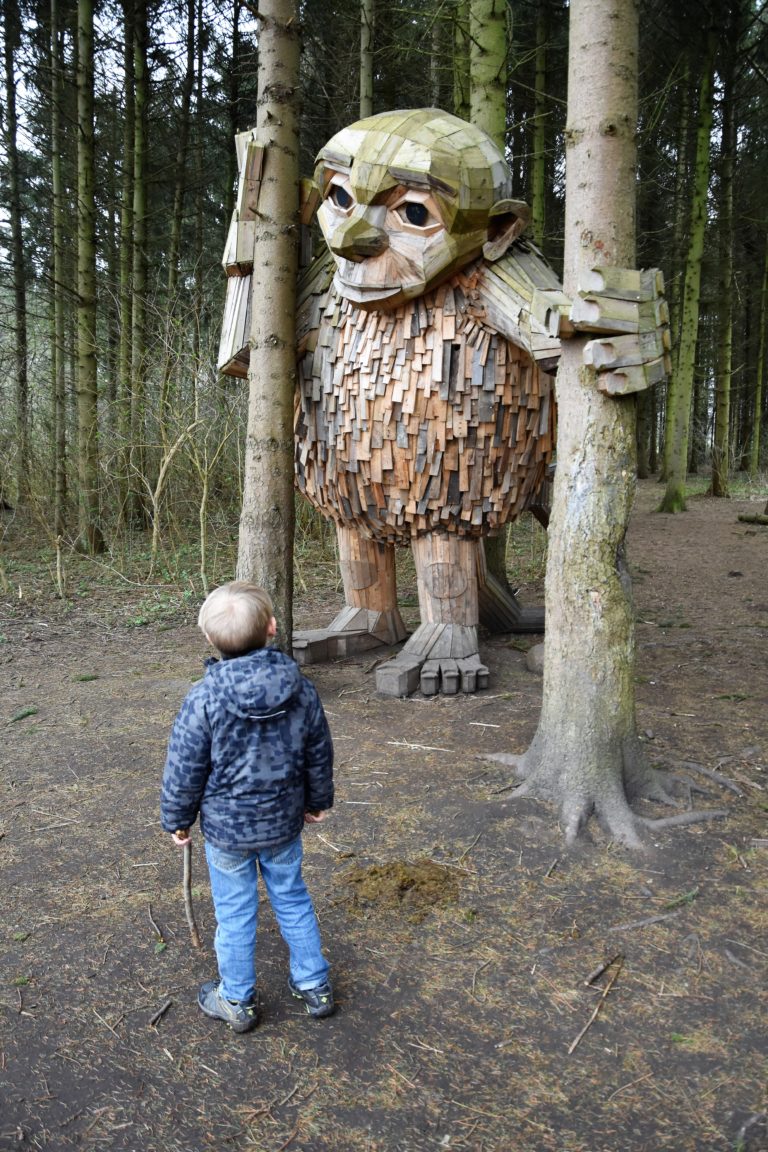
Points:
x=256 y=686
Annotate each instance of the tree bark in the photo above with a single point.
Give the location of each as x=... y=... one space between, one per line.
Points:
x=488 y=67
x=138 y=502
x=12 y=36
x=367 y=17
x=265 y=552
x=539 y=144
x=586 y=755
x=680 y=389
x=58 y=305
x=124 y=351
x=754 y=444
x=724 y=353
x=90 y=538
x=462 y=59
x=488 y=110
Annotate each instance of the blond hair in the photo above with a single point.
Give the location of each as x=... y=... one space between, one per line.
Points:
x=236 y=617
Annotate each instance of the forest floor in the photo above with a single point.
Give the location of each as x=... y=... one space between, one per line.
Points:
x=461 y=931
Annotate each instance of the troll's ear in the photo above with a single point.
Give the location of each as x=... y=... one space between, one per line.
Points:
x=507 y=220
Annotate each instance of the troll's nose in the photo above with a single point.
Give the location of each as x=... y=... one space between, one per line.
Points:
x=357 y=239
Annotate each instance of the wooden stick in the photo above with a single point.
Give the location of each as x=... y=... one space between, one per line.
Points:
x=598 y=1006
x=160 y=1012
x=187 y=888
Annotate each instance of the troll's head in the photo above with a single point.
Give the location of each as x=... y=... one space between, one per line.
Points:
x=409 y=198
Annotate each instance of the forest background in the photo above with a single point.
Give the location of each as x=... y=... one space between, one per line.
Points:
x=115 y=431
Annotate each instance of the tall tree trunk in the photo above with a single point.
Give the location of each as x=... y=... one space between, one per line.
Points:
x=644 y=410
x=90 y=537
x=682 y=215
x=180 y=179
x=754 y=444
x=367 y=17
x=680 y=389
x=539 y=148
x=125 y=347
x=58 y=302
x=586 y=754
x=267 y=521
x=12 y=37
x=488 y=110
x=138 y=466
x=199 y=298
x=724 y=353
x=233 y=111
x=177 y=220
x=488 y=67
x=461 y=59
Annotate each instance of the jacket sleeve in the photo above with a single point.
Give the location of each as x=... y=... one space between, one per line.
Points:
x=318 y=756
x=187 y=765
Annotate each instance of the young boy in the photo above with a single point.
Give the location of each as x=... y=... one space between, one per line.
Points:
x=251 y=752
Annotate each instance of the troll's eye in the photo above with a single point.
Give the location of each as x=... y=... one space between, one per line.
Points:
x=416 y=214
x=340 y=197
x=417 y=211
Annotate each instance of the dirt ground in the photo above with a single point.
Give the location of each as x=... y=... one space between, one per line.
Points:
x=460 y=930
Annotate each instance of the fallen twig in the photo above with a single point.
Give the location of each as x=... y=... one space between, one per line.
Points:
x=467 y=851
x=187 y=888
x=619 y=962
x=105 y=1023
x=292 y=1136
x=600 y=969
x=158 y=933
x=160 y=1012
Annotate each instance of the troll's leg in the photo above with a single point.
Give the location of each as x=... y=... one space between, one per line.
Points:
x=442 y=655
x=370 y=615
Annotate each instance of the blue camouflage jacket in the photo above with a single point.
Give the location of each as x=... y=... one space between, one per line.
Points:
x=250 y=751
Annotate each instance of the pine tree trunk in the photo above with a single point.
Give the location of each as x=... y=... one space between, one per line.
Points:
x=177 y=218
x=724 y=354
x=754 y=443
x=267 y=521
x=488 y=110
x=680 y=389
x=488 y=67
x=90 y=538
x=585 y=754
x=462 y=59
x=233 y=111
x=539 y=147
x=12 y=36
x=138 y=500
x=58 y=304
x=679 y=243
x=124 y=352
x=367 y=17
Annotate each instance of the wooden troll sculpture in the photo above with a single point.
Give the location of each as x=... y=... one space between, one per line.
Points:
x=425 y=406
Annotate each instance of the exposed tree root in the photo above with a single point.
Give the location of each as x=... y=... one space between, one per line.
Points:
x=611 y=803
x=711 y=774
x=691 y=817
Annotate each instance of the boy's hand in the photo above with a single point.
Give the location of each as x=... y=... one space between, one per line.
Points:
x=314 y=817
x=181 y=837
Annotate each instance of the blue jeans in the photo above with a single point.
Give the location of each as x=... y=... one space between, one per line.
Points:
x=235 y=891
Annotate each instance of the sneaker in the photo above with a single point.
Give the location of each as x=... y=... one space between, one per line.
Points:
x=318 y=1001
x=241 y=1015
